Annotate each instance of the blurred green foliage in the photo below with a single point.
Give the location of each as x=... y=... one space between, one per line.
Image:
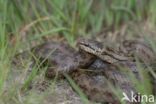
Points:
x=78 y=17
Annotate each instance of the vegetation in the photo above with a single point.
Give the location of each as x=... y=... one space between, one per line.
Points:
x=24 y=21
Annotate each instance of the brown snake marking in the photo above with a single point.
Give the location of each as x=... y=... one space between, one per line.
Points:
x=105 y=53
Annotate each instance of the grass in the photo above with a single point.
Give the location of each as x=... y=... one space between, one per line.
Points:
x=24 y=22
x=4 y=60
x=78 y=90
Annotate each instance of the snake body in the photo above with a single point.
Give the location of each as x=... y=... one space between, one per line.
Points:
x=92 y=55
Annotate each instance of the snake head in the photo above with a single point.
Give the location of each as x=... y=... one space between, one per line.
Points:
x=90 y=46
